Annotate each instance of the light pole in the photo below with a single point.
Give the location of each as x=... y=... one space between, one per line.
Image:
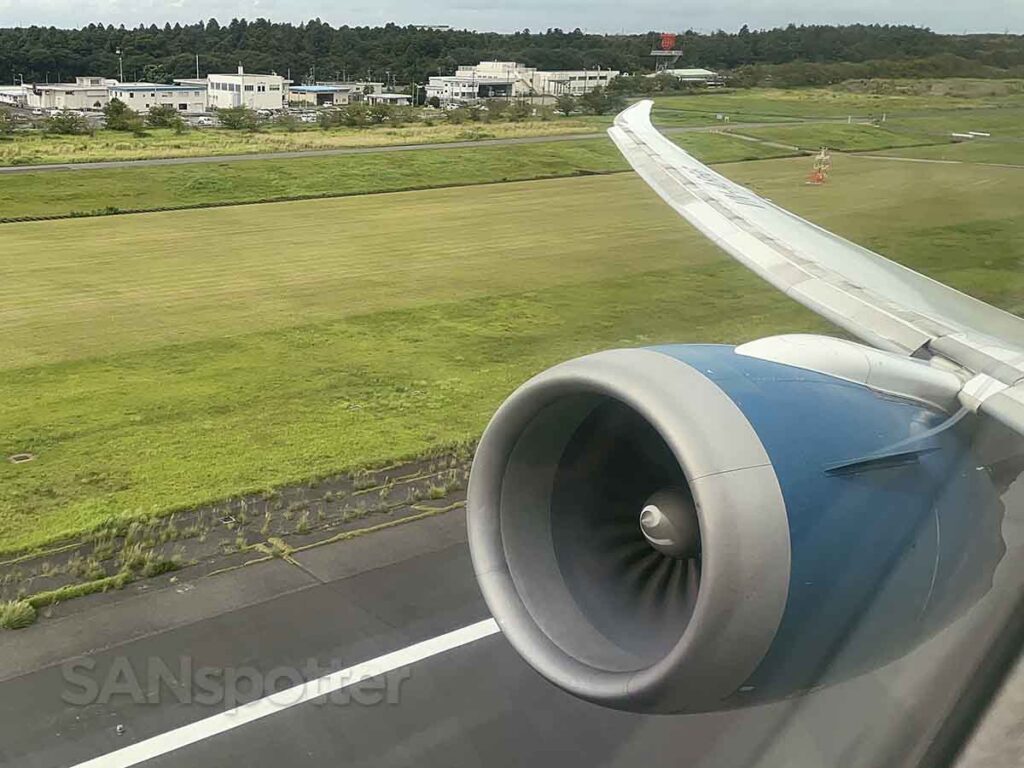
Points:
x=120 y=64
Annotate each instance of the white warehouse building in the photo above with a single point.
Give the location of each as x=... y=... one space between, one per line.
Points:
x=140 y=97
x=695 y=75
x=84 y=93
x=575 y=82
x=249 y=90
x=457 y=89
x=498 y=79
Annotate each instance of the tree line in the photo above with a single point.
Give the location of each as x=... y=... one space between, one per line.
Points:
x=315 y=50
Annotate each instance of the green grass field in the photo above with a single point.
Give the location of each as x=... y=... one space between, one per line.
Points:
x=974 y=151
x=36 y=147
x=84 y=192
x=1001 y=123
x=889 y=98
x=156 y=361
x=1005 y=145
x=850 y=138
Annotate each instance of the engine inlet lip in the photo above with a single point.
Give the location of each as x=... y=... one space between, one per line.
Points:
x=742 y=518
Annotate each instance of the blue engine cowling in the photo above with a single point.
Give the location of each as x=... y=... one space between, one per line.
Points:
x=838 y=526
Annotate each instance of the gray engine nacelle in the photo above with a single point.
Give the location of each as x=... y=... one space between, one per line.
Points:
x=685 y=528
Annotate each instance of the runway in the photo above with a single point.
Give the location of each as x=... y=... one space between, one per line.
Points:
x=472 y=705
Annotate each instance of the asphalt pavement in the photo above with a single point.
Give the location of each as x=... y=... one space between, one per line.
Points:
x=473 y=704
x=478 y=704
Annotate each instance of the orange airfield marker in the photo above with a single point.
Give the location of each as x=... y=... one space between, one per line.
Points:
x=822 y=167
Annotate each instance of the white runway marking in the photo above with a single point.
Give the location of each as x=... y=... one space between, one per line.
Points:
x=290 y=697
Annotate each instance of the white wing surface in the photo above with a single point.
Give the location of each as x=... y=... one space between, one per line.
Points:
x=875 y=299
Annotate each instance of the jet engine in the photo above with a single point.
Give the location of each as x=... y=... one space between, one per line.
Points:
x=697 y=527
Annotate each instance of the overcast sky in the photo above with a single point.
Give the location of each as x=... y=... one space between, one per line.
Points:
x=590 y=15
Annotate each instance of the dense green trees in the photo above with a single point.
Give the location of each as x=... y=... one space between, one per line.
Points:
x=160 y=53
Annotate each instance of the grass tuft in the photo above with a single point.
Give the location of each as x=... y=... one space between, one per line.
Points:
x=16 y=614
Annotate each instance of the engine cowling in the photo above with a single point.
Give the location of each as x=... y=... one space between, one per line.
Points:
x=685 y=528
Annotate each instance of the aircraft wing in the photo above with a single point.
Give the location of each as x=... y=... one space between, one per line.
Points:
x=874 y=299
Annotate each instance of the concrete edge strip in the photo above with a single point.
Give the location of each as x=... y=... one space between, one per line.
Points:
x=222 y=722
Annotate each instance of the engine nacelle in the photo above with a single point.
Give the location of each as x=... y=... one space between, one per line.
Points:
x=685 y=528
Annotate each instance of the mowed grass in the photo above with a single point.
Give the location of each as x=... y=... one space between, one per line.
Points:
x=98 y=191
x=1005 y=144
x=855 y=99
x=974 y=151
x=37 y=147
x=1001 y=123
x=161 y=360
x=841 y=136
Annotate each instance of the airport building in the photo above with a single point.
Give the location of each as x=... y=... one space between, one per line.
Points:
x=391 y=99
x=84 y=93
x=465 y=89
x=241 y=89
x=695 y=75
x=140 y=97
x=508 y=79
x=574 y=82
x=331 y=94
x=14 y=95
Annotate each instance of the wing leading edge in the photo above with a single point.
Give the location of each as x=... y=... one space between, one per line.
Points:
x=875 y=299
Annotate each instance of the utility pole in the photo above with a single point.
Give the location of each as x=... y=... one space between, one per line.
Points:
x=197 y=66
x=120 y=64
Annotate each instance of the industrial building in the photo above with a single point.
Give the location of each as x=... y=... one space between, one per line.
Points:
x=695 y=75
x=457 y=89
x=84 y=93
x=574 y=82
x=248 y=90
x=331 y=93
x=187 y=95
x=140 y=97
x=390 y=99
x=507 y=79
x=14 y=95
